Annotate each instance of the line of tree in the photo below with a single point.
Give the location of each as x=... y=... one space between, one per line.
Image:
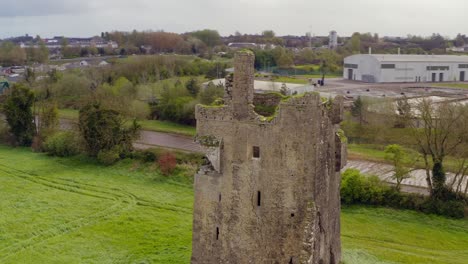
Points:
x=435 y=131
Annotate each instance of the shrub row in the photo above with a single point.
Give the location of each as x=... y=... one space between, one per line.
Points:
x=68 y=143
x=357 y=188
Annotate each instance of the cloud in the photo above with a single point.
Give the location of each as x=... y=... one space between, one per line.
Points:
x=90 y=17
x=24 y=8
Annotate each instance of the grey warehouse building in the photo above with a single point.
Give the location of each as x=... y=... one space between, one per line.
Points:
x=391 y=68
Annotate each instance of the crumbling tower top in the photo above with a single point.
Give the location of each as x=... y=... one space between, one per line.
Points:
x=243 y=90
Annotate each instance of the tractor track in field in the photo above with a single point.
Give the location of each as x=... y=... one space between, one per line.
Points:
x=123 y=201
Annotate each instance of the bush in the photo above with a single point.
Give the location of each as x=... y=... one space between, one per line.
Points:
x=104 y=130
x=5 y=136
x=357 y=188
x=109 y=157
x=62 y=144
x=152 y=154
x=19 y=115
x=167 y=163
x=148 y=156
x=455 y=209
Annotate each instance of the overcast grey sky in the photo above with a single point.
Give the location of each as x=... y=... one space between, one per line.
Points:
x=90 y=17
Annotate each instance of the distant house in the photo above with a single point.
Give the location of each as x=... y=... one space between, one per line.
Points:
x=463 y=48
x=15 y=78
x=17 y=69
x=103 y=64
x=56 y=43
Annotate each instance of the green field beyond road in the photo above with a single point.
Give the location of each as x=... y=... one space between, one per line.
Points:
x=452 y=85
x=56 y=210
x=150 y=125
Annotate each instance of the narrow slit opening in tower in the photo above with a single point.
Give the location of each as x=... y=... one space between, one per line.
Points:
x=291 y=260
x=256 y=152
x=259 y=198
x=217 y=233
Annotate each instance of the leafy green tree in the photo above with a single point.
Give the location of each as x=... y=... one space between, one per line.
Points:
x=329 y=62
x=193 y=87
x=459 y=40
x=210 y=93
x=104 y=130
x=177 y=105
x=264 y=59
x=30 y=76
x=54 y=75
x=11 y=54
x=19 y=114
x=48 y=118
x=210 y=37
x=70 y=90
x=358 y=108
x=400 y=161
x=355 y=43
x=283 y=58
x=269 y=34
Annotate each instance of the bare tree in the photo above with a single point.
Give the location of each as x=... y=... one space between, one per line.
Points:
x=438 y=131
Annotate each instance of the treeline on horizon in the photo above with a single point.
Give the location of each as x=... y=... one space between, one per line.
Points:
x=207 y=42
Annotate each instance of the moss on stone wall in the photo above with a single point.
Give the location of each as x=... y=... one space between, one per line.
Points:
x=207 y=141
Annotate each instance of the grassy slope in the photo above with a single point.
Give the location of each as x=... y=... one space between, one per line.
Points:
x=72 y=211
x=151 y=125
x=402 y=237
x=68 y=211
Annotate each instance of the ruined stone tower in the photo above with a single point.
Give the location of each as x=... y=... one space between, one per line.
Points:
x=271 y=191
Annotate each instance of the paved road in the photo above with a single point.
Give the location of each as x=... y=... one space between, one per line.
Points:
x=415 y=184
x=149 y=138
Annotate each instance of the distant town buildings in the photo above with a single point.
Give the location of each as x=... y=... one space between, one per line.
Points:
x=392 y=68
x=463 y=48
x=247 y=45
x=58 y=42
x=242 y=45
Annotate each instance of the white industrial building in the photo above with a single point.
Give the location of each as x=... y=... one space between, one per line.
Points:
x=391 y=68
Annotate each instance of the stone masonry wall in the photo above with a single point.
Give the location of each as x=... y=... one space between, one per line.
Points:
x=274 y=195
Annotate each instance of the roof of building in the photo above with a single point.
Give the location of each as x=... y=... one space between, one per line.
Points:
x=416 y=58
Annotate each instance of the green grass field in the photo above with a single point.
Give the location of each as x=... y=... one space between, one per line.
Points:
x=72 y=211
x=151 y=125
x=381 y=235
x=168 y=127
x=302 y=79
x=376 y=153
x=452 y=85
x=285 y=79
x=57 y=210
